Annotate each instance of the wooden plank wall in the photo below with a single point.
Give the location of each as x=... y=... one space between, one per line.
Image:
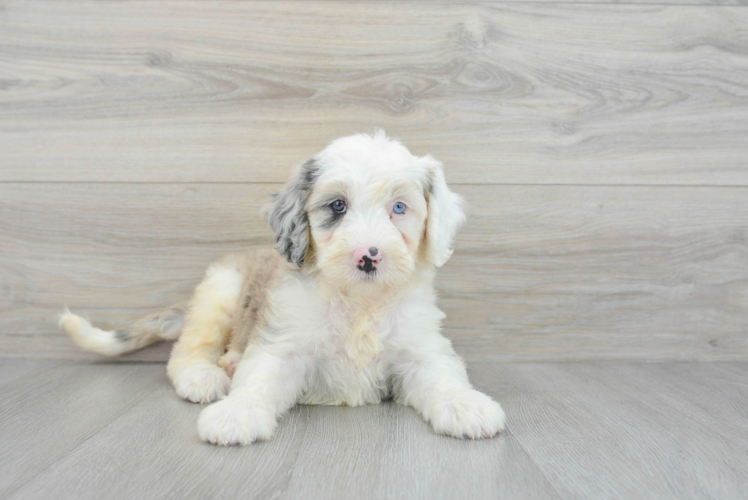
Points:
x=603 y=149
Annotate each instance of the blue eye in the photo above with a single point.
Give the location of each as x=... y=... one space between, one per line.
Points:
x=338 y=206
x=399 y=207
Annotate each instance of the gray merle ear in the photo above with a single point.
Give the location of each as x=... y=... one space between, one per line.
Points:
x=287 y=216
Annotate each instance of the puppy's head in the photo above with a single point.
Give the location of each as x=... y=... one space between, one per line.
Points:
x=364 y=212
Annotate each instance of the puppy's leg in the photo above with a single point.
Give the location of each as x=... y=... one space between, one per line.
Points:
x=192 y=366
x=261 y=275
x=437 y=386
x=265 y=386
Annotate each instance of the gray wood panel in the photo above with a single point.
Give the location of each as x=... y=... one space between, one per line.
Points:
x=319 y=452
x=153 y=451
x=705 y=393
x=611 y=430
x=502 y=92
x=574 y=431
x=45 y=416
x=390 y=452
x=13 y=369
x=553 y=273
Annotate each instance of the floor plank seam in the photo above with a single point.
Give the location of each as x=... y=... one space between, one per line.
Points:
x=532 y=458
x=305 y=409
x=508 y=433
x=66 y=453
x=534 y=463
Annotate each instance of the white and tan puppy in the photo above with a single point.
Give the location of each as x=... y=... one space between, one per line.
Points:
x=349 y=317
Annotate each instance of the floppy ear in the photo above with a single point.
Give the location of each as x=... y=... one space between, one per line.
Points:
x=445 y=213
x=287 y=216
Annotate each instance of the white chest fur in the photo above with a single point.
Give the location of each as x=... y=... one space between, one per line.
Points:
x=349 y=344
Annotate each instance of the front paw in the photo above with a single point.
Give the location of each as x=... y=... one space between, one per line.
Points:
x=202 y=383
x=470 y=414
x=230 y=422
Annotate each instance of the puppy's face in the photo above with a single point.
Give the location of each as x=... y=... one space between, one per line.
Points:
x=367 y=215
x=365 y=212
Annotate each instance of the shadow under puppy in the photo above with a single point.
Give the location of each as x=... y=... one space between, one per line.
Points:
x=344 y=313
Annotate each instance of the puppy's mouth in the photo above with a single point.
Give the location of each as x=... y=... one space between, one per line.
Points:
x=367 y=265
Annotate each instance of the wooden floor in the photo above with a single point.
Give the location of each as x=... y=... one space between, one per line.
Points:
x=78 y=429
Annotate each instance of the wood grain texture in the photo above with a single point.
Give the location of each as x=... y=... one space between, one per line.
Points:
x=556 y=273
x=45 y=416
x=538 y=93
x=384 y=448
x=574 y=431
x=13 y=369
x=611 y=431
x=319 y=452
x=133 y=135
x=153 y=451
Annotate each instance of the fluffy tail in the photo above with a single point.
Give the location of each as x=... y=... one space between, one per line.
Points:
x=164 y=325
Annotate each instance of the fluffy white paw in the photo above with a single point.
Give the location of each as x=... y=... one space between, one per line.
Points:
x=202 y=383
x=469 y=414
x=230 y=422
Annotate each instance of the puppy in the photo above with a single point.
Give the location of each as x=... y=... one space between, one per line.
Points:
x=344 y=313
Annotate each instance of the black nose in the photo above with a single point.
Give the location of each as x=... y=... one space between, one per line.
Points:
x=368 y=265
x=373 y=251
